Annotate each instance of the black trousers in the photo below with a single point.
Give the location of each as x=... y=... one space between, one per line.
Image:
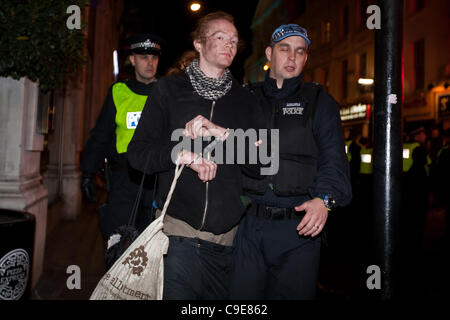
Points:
x=124 y=187
x=195 y=269
x=271 y=261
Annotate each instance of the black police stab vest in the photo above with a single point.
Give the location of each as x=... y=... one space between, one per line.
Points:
x=298 y=151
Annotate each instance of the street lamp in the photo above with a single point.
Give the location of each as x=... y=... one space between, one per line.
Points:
x=115 y=64
x=365 y=81
x=195 y=6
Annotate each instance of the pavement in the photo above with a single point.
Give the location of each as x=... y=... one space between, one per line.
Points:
x=343 y=271
x=76 y=243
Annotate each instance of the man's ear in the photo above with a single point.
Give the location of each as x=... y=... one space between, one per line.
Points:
x=197 y=45
x=132 y=60
x=269 y=53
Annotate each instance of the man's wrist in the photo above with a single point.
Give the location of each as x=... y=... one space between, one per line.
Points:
x=188 y=157
x=224 y=135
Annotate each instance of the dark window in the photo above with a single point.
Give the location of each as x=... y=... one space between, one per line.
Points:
x=325 y=79
x=359 y=15
x=419 y=64
x=344 y=21
x=420 y=4
x=416 y=5
x=362 y=65
x=344 y=70
x=326 y=32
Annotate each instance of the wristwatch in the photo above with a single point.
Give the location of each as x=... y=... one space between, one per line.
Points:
x=328 y=201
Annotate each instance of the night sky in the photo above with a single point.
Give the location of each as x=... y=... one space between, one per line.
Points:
x=173 y=20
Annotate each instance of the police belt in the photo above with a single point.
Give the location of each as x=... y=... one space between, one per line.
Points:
x=273 y=213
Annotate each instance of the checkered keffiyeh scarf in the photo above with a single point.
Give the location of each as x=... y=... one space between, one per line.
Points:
x=208 y=88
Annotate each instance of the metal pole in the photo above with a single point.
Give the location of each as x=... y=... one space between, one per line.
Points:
x=387 y=155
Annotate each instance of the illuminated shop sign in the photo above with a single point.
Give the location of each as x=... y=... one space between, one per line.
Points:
x=444 y=105
x=357 y=111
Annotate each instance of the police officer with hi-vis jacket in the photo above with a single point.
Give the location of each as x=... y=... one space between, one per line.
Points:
x=113 y=131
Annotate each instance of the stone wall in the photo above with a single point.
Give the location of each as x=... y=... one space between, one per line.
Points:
x=21 y=187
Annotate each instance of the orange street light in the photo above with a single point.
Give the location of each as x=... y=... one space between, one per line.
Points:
x=195 y=6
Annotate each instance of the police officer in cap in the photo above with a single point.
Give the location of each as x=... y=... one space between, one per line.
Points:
x=113 y=131
x=277 y=247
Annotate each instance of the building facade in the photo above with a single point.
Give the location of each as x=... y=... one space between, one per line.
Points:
x=342 y=56
x=44 y=134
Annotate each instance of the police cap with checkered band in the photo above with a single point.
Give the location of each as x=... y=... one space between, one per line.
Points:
x=145 y=43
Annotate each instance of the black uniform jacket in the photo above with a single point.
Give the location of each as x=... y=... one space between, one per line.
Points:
x=102 y=140
x=174 y=103
x=313 y=162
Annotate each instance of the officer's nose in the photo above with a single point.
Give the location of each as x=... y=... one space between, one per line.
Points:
x=292 y=56
x=149 y=60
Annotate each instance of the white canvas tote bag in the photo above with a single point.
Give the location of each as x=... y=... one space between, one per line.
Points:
x=139 y=273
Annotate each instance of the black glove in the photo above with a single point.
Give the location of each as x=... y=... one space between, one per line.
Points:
x=88 y=188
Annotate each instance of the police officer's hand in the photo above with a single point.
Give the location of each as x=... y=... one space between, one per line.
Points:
x=206 y=169
x=202 y=127
x=314 y=219
x=88 y=188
